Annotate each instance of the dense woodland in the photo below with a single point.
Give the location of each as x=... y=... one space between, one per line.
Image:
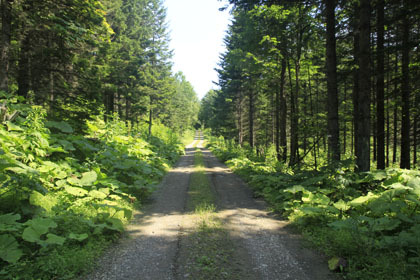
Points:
x=322 y=81
x=318 y=110
x=91 y=119
x=83 y=58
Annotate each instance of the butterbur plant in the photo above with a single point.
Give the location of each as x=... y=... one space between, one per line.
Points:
x=63 y=194
x=367 y=223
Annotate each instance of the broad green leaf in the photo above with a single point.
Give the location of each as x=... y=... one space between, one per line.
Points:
x=12 y=127
x=76 y=191
x=399 y=186
x=9 y=218
x=347 y=224
x=60 y=183
x=88 y=178
x=307 y=197
x=386 y=223
x=341 y=205
x=31 y=235
x=308 y=210
x=378 y=175
x=68 y=146
x=36 y=228
x=336 y=263
x=116 y=224
x=97 y=194
x=414 y=183
x=78 y=237
x=9 y=249
x=362 y=199
x=128 y=214
x=62 y=126
x=53 y=239
x=413 y=198
x=37 y=199
x=321 y=199
x=333 y=263
x=295 y=189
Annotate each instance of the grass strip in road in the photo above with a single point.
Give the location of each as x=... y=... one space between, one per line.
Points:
x=209 y=250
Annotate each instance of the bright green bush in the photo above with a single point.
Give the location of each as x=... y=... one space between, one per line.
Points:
x=360 y=217
x=60 y=193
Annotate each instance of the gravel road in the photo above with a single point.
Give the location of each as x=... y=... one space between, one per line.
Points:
x=151 y=246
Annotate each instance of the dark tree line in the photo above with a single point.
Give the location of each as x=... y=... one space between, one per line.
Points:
x=321 y=81
x=79 y=58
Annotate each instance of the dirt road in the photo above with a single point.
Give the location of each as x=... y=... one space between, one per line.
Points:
x=263 y=246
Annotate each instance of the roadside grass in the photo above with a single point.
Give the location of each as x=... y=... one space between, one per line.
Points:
x=187 y=137
x=210 y=250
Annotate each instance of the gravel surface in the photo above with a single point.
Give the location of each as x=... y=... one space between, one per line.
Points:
x=275 y=252
x=149 y=250
x=262 y=242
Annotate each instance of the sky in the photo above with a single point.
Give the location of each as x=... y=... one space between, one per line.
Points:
x=197 y=29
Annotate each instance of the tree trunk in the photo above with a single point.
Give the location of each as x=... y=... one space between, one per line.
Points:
x=395 y=113
x=251 y=118
x=240 y=121
x=150 y=119
x=51 y=77
x=332 y=104
x=355 y=97
x=24 y=66
x=345 y=122
x=415 y=129
x=6 y=25
x=380 y=88
x=283 y=112
x=363 y=114
x=405 y=93
x=127 y=108
x=281 y=116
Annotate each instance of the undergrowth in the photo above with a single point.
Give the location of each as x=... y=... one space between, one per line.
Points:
x=368 y=223
x=64 y=197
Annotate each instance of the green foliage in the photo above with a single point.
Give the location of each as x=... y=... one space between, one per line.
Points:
x=356 y=218
x=59 y=192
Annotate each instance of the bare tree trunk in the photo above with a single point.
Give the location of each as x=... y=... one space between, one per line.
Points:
x=119 y=105
x=24 y=66
x=240 y=120
x=380 y=88
x=281 y=116
x=363 y=115
x=395 y=113
x=6 y=26
x=345 y=123
x=355 y=138
x=51 y=77
x=283 y=112
x=127 y=108
x=150 y=118
x=405 y=92
x=332 y=104
x=251 y=118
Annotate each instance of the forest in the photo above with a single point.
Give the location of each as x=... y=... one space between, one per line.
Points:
x=92 y=117
x=318 y=110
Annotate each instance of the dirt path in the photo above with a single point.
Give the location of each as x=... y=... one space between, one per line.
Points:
x=157 y=240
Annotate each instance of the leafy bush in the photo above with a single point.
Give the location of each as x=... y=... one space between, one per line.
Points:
x=60 y=193
x=371 y=220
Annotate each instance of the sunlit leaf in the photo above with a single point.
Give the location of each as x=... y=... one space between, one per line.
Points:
x=78 y=237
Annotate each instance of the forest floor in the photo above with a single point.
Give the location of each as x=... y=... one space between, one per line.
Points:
x=237 y=238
